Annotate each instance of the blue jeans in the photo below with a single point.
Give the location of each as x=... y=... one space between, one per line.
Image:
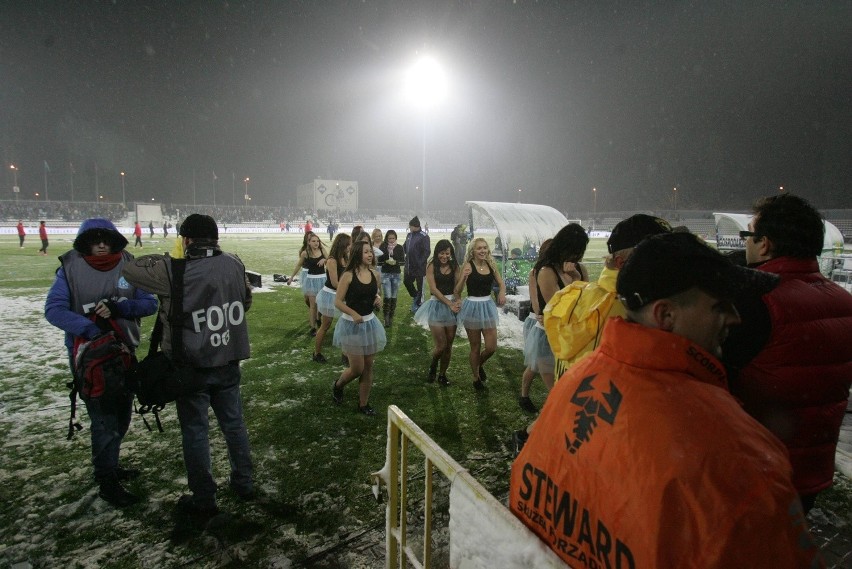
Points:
x=107 y=430
x=222 y=393
x=390 y=284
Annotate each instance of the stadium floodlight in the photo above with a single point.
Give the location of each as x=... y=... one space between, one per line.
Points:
x=425 y=87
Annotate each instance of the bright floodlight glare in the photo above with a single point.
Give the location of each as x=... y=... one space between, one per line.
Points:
x=426 y=83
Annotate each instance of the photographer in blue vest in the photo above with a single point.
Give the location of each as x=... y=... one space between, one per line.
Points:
x=216 y=296
x=89 y=283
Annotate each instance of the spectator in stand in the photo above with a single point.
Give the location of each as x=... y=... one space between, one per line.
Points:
x=791 y=360
x=42 y=234
x=137 y=231
x=643 y=440
x=417 y=251
x=21 y=233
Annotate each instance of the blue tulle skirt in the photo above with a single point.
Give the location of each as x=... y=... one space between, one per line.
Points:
x=303 y=274
x=325 y=302
x=362 y=339
x=537 y=353
x=528 y=324
x=313 y=284
x=478 y=313
x=433 y=312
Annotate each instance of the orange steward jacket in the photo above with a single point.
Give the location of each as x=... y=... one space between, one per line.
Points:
x=641 y=458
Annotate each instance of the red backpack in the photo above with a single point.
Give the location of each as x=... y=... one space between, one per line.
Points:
x=101 y=367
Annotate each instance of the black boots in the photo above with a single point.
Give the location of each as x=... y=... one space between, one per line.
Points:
x=113 y=492
x=389 y=309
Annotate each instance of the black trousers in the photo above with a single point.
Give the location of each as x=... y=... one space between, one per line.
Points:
x=414 y=286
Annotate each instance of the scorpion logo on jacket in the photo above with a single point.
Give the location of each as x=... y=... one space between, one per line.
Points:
x=592 y=405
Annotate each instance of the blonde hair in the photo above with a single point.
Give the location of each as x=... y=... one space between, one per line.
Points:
x=488 y=258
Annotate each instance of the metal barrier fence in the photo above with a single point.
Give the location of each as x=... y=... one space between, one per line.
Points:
x=470 y=505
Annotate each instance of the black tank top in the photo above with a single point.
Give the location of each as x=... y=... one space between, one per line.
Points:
x=359 y=296
x=328 y=278
x=445 y=283
x=477 y=284
x=312 y=264
x=541 y=302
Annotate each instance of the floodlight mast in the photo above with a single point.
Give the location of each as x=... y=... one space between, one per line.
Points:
x=426 y=86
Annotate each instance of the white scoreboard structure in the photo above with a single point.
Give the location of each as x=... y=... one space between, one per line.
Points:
x=338 y=195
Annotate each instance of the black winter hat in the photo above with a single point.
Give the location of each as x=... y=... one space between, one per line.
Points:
x=668 y=264
x=629 y=232
x=415 y=222
x=199 y=226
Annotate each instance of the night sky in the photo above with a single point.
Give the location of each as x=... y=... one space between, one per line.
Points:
x=727 y=101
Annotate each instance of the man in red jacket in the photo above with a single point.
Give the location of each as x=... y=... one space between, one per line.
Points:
x=21 y=232
x=42 y=233
x=791 y=360
x=641 y=457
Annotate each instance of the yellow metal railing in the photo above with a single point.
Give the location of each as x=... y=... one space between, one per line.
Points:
x=402 y=433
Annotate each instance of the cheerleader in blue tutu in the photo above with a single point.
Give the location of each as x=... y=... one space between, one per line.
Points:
x=478 y=313
x=548 y=276
x=359 y=334
x=440 y=312
x=334 y=266
x=312 y=258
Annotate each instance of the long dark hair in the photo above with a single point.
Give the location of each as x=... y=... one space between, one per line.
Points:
x=568 y=245
x=357 y=254
x=441 y=246
x=338 y=248
x=387 y=233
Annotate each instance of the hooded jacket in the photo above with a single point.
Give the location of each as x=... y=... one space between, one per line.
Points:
x=66 y=310
x=642 y=458
x=575 y=316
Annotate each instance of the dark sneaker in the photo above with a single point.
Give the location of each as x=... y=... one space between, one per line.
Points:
x=246 y=495
x=187 y=504
x=113 y=492
x=442 y=379
x=123 y=474
x=344 y=359
x=519 y=439
x=367 y=410
x=482 y=375
x=433 y=371
x=336 y=393
x=319 y=358
x=313 y=332
x=527 y=405
x=478 y=385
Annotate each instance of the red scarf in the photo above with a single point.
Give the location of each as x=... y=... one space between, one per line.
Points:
x=103 y=262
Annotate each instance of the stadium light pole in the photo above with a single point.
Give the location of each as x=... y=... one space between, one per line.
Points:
x=123 y=198
x=426 y=86
x=674 y=191
x=15 y=189
x=594 y=205
x=247 y=198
